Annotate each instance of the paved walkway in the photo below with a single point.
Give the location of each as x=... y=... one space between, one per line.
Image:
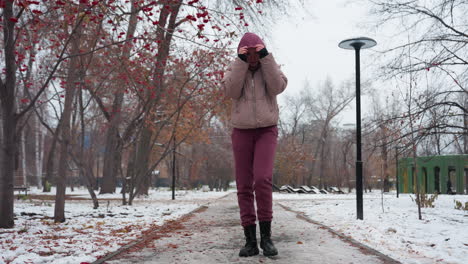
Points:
x=214 y=235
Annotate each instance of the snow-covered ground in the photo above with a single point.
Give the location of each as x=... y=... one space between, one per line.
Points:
x=87 y=233
x=441 y=237
x=154 y=194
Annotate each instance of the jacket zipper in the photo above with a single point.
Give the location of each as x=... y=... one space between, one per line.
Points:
x=254 y=100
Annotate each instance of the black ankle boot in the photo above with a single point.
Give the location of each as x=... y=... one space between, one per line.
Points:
x=250 y=248
x=265 y=242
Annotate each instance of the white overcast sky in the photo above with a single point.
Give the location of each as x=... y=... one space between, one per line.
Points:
x=306 y=45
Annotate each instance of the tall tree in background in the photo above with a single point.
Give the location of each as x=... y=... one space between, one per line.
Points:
x=114 y=142
x=293 y=145
x=324 y=108
x=436 y=32
x=188 y=22
x=9 y=118
x=130 y=38
x=18 y=17
x=70 y=91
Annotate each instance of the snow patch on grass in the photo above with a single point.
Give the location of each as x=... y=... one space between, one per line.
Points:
x=87 y=233
x=441 y=236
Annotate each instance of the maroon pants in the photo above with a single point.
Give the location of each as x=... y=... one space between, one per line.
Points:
x=254 y=155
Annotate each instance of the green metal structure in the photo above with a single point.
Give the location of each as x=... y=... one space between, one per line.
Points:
x=441 y=174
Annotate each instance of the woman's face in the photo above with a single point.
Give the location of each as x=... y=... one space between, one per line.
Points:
x=252 y=57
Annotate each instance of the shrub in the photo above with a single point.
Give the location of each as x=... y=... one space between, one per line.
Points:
x=23 y=197
x=427 y=200
x=459 y=205
x=48 y=186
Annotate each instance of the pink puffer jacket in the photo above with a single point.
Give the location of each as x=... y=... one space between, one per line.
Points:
x=254 y=93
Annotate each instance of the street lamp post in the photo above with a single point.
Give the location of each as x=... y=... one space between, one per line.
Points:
x=357 y=44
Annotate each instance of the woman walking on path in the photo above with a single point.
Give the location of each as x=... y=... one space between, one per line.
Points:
x=253 y=81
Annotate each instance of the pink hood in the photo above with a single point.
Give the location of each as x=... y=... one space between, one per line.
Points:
x=249 y=40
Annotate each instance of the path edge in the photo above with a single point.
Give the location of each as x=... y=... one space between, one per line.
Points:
x=141 y=239
x=364 y=248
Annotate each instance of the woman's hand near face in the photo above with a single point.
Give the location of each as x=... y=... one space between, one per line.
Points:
x=243 y=50
x=259 y=47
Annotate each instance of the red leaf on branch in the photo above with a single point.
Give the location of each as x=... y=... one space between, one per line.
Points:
x=238 y=8
x=14 y=19
x=189 y=17
x=204 y=14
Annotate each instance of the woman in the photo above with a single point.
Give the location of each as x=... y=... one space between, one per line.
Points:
x=253 y=81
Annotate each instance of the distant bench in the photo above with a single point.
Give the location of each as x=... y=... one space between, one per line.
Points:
x=306 y=189
x=20 y=189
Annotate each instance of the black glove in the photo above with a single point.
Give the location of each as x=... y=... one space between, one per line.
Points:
x=263 y=53
x=242 y=57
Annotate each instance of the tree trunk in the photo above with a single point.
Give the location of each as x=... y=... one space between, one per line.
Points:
x=9 y=144
x=146 y=176
x=89 y=180
x=385 y=180
x=322 y=165
x=131 y=174
x=311 y=173
x=86 y=165
x=91 y=192
x=29 y=152
x=114 y=144
x=415 y=176
x=164 y=36
x=24 y=167
x=8 y=165
x=465 y=125
x=49 y=174
x=98 y=162
x=320 y=147
x=38 y=149
x=72 y=78
x=323 y=139
x=112 y=158
x=32 y=129
x=142 y=160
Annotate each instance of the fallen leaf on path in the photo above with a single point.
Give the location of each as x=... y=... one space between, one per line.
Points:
x=172 y=246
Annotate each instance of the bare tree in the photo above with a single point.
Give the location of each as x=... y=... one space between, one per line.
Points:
x=323 y=107
x=435 y=32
